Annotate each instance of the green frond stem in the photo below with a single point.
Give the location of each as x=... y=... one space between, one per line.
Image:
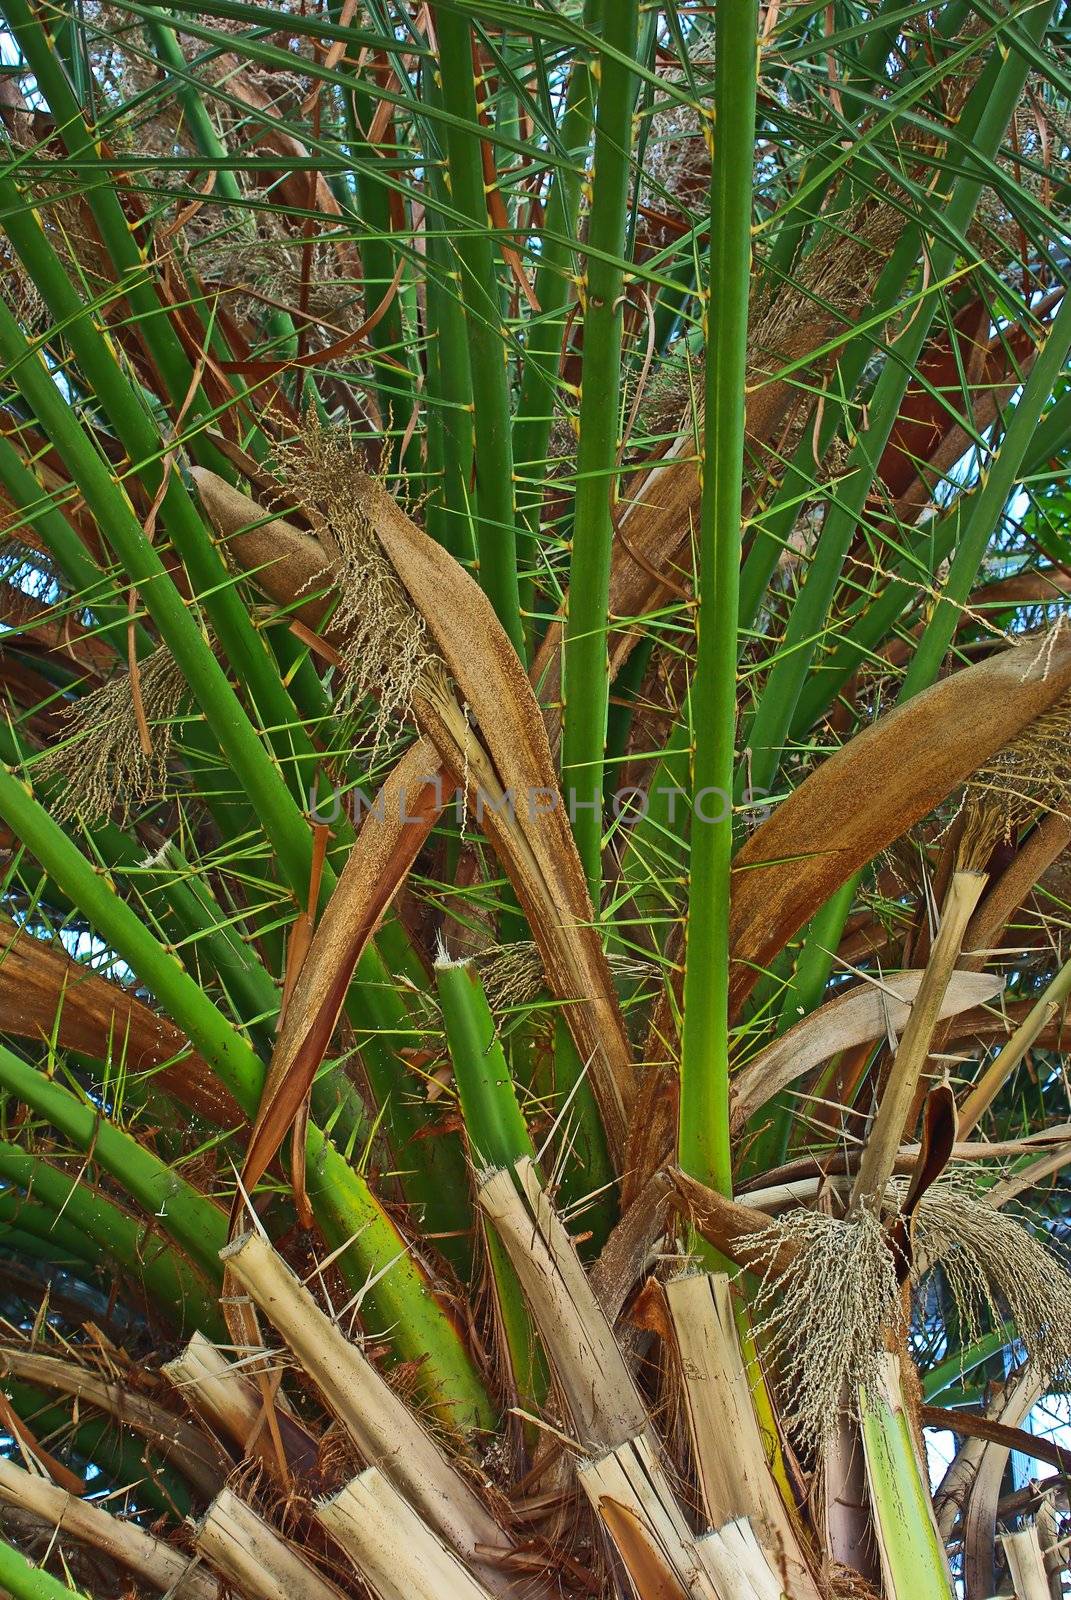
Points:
x=585 y=660
x=998 y=480
x=24 y=1581
x=18 y=1240
x=451 y=509
x=58 y=1238
x=429 y=1161
x=192 y=1222
x=418 y=1324
x=258 y=774
x=398 y=1299
x=497 y=1137
x=703 y=1135
x=956 y=1367
x=244 y=646
x=913 y=1560
x=496 y=518
x=170 y=1285
x=497 y=1132
x=554 y=289
x=990 y=105
x=133 y=268
x=123 y=1460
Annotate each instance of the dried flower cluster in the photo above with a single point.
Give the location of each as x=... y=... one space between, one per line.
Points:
x=104 y=765
x=387 y=652
x=829 y=1319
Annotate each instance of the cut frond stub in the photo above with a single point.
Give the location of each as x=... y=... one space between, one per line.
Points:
x=380 y=1424
x=736 y=1483
x=131 y=1547
x=392 y=1548
x=249 y=1554
x=1026 y=1563
x=606 y=1407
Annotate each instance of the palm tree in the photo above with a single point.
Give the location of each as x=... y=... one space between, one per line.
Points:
x=535 y=791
